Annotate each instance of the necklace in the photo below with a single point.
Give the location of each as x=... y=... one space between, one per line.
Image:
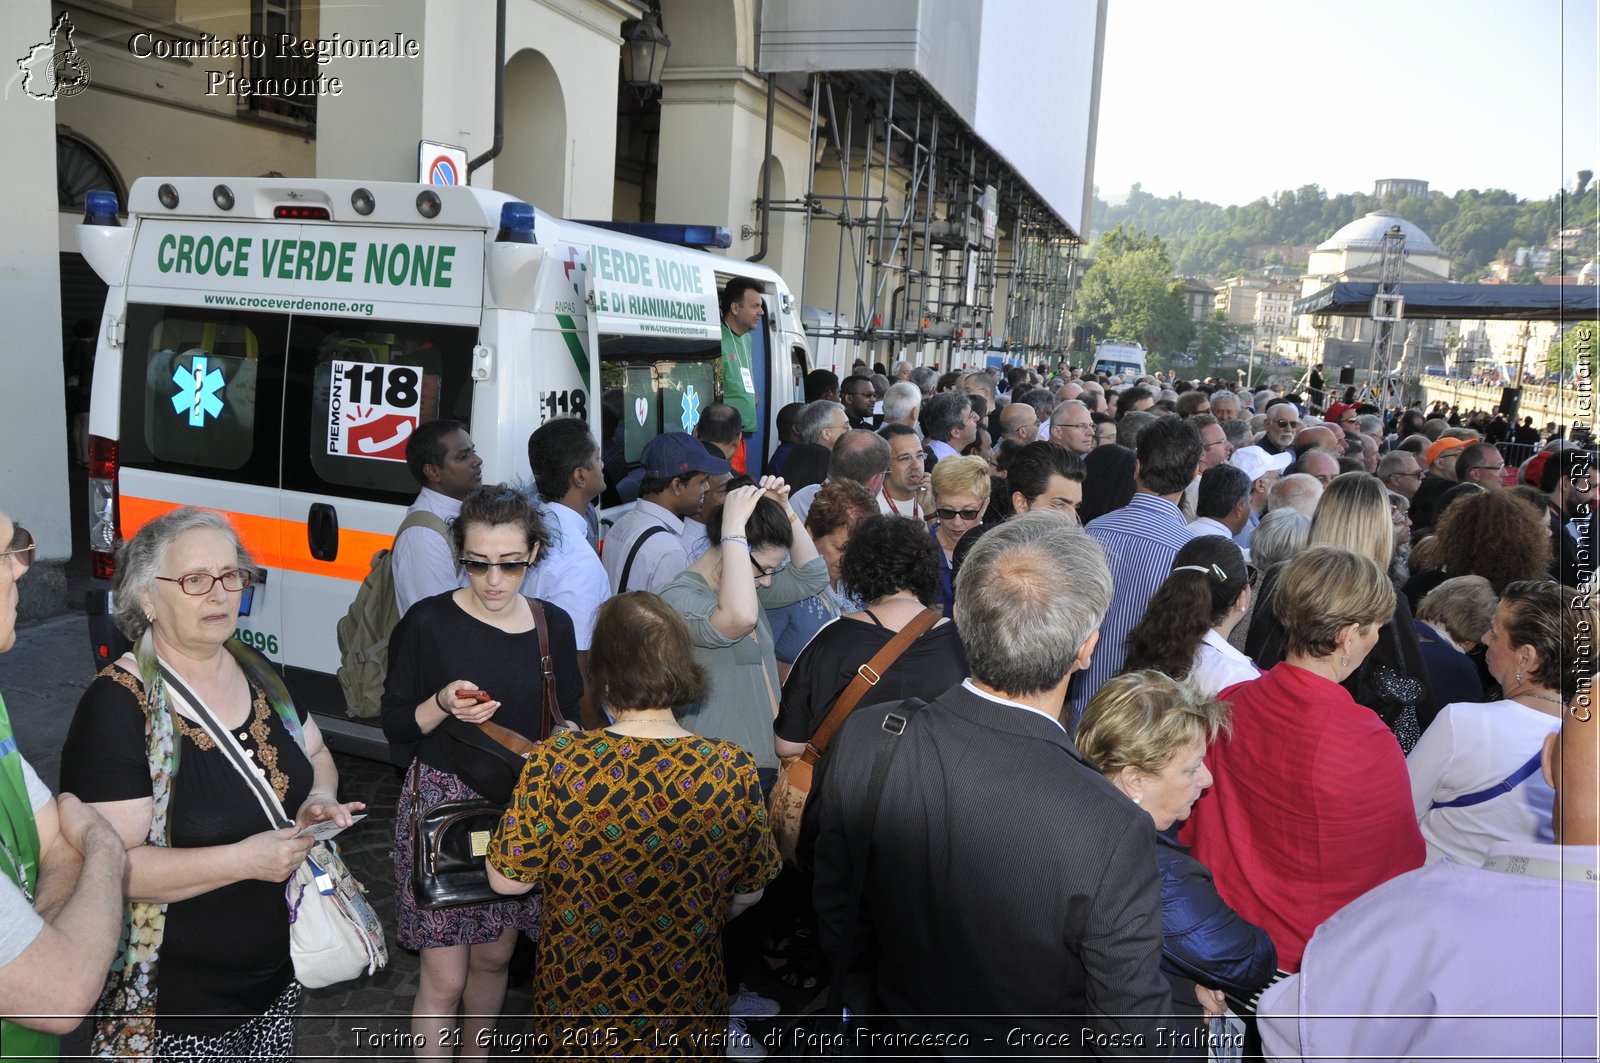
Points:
x=1541 y=697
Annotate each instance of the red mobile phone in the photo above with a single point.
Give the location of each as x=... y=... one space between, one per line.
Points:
x=480 y=696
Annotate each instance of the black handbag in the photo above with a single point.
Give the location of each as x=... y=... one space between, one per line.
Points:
x=450 y=839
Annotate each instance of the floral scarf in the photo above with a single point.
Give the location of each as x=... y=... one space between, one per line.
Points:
x=125 y=1016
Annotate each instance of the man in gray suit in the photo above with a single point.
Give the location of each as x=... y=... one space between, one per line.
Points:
x=1008 y=894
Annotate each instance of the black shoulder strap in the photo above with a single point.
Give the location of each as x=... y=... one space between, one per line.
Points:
x=627 y=566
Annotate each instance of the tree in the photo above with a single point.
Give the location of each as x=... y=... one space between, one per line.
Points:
x=1129 y=293
x=1575 y=351
x=1216 y=337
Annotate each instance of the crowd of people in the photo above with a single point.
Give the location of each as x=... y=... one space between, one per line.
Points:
x=1180 y=719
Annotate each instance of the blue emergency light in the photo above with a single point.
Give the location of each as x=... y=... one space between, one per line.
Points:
x=100 y=208
x=516 y=223
x=701 y=236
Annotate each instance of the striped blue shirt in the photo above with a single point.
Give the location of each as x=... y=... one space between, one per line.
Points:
x=1140 y=541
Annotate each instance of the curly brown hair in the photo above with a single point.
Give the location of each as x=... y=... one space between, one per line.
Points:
x=1493 y=534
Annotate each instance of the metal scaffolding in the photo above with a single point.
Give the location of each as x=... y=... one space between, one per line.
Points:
x=1388 y=310
x=931 y=225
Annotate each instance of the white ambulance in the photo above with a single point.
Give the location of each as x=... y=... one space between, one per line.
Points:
x=269 y=344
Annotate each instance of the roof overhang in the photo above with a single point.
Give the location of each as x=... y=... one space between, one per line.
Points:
x=1509 y=302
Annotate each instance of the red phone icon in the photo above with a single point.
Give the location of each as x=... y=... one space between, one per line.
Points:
x=382 y=437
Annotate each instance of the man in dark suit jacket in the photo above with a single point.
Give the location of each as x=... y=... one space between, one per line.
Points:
x=1009 y=891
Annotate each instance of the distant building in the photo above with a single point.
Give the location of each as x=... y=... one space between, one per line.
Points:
x=1272 y=306
x=1398 y=186
x=1199 y=299
x=1236 y=299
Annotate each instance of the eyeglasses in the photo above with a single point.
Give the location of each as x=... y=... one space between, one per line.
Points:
x=1496 y=469
x=507 y=568
x=1398 y=517
x=1281 y=423
x=761 y=572
x=22 y=546
x=1417 y=475
x=946 y=513
x=198 y=584
x=1087 y=426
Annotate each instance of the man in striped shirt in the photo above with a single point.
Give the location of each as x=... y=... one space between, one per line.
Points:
x=1140 y=541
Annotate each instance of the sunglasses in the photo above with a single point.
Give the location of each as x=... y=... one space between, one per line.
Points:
x=507 y=568
x=1286 y=424
x=946 y=513
x=22 y=546
x=198 y=584
x=762 y=573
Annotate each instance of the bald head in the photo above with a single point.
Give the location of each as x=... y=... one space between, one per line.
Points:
x=1296 y=491
x=1317 y=436
x=1019 y=421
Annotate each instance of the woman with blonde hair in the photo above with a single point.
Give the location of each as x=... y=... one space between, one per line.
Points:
x=960 y=499
x=1148 y=734
x=1310 y=808
x=1392 y=680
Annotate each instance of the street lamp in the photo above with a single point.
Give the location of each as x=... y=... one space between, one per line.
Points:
x=644 y=54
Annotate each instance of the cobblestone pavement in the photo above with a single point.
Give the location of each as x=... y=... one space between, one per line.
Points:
x=41 y=680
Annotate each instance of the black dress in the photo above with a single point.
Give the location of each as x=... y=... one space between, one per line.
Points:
x=224 y=954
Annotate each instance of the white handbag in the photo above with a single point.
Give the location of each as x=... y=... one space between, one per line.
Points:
x=334 y=934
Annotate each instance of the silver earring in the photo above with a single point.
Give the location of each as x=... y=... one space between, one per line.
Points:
x=1344 y=660
x=1137 y=800
x=1519 y=677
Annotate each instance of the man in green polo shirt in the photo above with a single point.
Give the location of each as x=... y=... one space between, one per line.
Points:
x=741 y=312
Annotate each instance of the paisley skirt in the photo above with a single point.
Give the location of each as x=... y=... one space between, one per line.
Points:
x=468 y=924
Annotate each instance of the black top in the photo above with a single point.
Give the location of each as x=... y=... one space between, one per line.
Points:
x=928 y=667
x=438 y=642
x=1392 y=680
x=210 y=804
x=1424 y=509
x=805 y=465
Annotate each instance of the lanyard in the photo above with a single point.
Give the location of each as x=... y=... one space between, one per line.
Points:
x=916 y=511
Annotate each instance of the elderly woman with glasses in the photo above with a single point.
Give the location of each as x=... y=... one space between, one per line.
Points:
x=961 y=491
x=156 y=747
x=456 y=660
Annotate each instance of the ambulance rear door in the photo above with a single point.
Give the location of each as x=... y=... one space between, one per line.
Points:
x=200 y=410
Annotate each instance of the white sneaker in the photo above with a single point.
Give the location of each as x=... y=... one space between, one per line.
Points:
x=741 y=1045
x=749 y=1004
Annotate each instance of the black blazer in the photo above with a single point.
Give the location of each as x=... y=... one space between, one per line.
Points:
x=1009 y=886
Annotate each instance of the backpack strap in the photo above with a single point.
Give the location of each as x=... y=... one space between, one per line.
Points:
x=423 y=518
x=1505 y=786
x=627 y=566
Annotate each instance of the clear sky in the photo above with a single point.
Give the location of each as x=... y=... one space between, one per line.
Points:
x=1231 y=100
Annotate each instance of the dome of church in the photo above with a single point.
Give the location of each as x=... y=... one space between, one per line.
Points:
x=1366 y=234
x=1589 y=273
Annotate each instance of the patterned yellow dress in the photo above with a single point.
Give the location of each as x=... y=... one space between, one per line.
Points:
x=638 y=846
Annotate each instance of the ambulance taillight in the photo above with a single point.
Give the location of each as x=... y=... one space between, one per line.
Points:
x=104 y=518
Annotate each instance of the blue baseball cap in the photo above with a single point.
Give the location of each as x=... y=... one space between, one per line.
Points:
x=679 y=454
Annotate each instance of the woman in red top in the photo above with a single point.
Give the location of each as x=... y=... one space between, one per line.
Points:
x=1312 y=804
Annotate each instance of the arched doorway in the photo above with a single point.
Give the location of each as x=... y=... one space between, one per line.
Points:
x=533 y=164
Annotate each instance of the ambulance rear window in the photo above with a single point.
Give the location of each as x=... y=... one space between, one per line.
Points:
x=201 y=391
x=364 y=386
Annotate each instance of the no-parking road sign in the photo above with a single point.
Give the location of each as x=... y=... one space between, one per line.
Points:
x=441 y=164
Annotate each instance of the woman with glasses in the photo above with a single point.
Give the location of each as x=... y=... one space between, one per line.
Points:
x=447 y=655
x=155 y=747
x=960 y=498
x=1185 y=629
x=724 y=597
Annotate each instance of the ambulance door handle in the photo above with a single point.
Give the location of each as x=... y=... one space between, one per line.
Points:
x=322 y=531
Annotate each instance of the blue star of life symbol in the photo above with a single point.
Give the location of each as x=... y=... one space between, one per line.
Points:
x=691 y=408
x=197 y=391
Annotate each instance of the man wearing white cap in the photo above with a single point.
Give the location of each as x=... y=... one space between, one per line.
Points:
x=1263 y=470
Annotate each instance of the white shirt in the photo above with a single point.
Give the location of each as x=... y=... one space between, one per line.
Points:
x=1471 y=746
x=942 y=450
x=660 y=559
x=423 y=561
x=801 y=500
x=19 y=923
x=695 y=539
x=1011 y=704
x=569 y=573
x=1218 y=666
x=890 y=508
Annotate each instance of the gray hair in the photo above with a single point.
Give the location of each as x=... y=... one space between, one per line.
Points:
x=1298 y=491
x=1281 y=534
x=901 y=401
x=1238 y=433
x=1131 y=425
x=1370 y=424
x=140 y=559
x=815 y=419
x=1028 y=597
x=983 y=380
x=1391 y=463
x=1063 y=410
x=926 y=378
